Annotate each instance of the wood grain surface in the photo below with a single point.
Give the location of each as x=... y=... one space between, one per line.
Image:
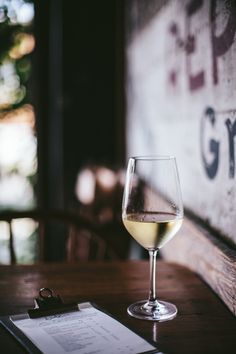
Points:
x=203 y=324
x=210 y=257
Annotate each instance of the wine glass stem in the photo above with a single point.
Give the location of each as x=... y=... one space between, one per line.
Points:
x=152 y=300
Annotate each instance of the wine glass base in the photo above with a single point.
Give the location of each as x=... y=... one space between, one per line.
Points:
x=162 y=311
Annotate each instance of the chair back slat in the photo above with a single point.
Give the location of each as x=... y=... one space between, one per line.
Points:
x=11 y=243
x=71 y=244
x=41 y=236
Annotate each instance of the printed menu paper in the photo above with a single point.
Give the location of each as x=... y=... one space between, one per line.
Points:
x=88 y=331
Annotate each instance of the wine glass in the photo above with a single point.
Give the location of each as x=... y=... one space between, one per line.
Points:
x=152 y=212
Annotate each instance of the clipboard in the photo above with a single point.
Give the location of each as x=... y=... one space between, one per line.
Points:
x=48 y=306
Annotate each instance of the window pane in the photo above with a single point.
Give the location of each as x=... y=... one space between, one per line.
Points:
x=18 y=141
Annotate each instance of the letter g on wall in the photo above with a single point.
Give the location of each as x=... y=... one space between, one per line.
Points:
x=209 y=146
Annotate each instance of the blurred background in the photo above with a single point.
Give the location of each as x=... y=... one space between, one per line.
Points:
x=84 y=85
x=18 y=137
x=61 y=112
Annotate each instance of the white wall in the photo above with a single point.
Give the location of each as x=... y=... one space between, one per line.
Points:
x=181 y=100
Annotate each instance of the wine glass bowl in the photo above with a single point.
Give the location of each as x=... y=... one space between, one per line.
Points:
x=152 y=212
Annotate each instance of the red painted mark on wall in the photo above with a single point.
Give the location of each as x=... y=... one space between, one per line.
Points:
x=189 y=44
x=198 y=80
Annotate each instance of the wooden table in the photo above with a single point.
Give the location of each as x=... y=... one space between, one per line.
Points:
x=203 y=324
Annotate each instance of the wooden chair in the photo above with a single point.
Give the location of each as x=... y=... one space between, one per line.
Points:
x=83 y=240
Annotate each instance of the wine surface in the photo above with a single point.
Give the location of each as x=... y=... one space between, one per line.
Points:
x=152 y=230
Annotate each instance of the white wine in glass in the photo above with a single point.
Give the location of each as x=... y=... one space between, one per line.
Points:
x=152 y=212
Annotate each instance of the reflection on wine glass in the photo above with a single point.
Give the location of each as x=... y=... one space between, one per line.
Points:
x=152 y=212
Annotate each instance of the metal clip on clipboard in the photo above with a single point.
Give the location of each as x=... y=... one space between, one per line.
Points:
x=47 y=304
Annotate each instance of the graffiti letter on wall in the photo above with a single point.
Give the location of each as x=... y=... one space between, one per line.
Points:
x=220 y=44
x=231 y=134
x=210 y=168
x=195 y=81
